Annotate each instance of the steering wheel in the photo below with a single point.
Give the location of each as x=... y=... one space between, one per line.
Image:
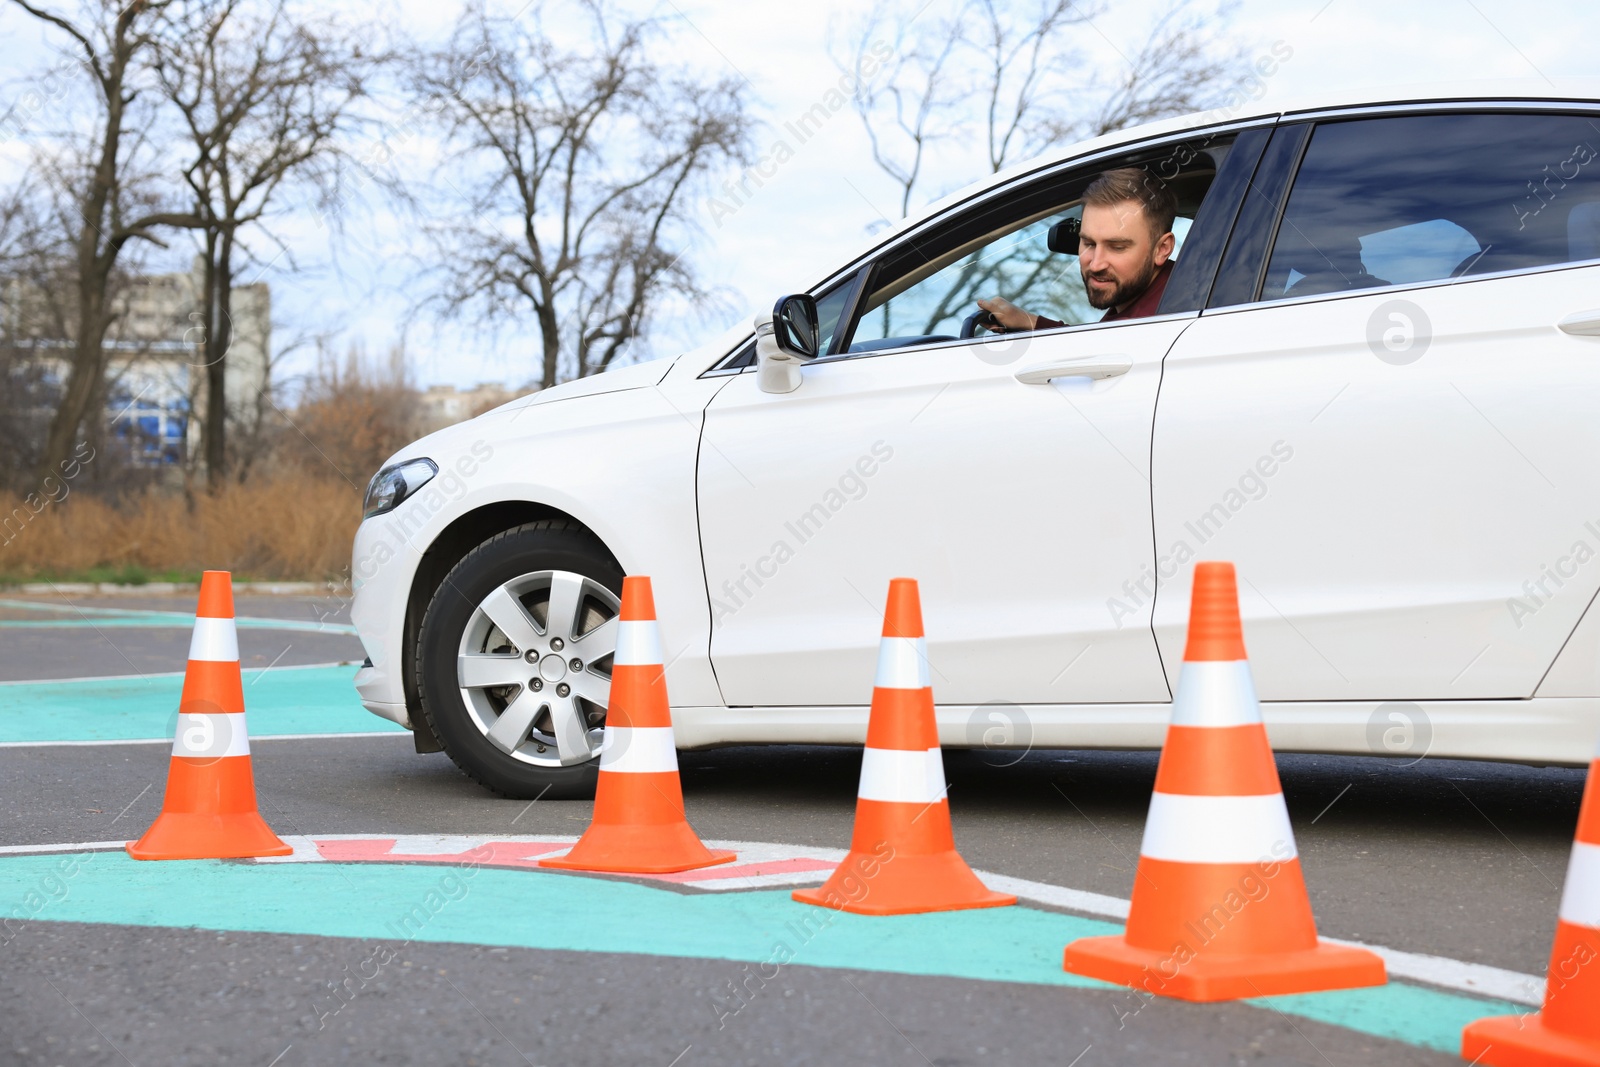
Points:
x=969 y=325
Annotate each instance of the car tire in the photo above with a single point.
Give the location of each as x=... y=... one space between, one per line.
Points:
x=537 y=735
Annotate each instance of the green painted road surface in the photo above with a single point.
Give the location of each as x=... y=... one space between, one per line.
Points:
x=285 y=700
x=396 y=903
x=402 y=902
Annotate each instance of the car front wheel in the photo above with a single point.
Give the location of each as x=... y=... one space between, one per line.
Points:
x=514 y=660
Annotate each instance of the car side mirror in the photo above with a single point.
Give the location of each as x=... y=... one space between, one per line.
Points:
x=785 y=340
x=794 y=326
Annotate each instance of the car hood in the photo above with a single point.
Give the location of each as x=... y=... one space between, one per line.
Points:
x=635 y=376
x=458 y=437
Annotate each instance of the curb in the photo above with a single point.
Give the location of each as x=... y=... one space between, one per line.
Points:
x=160 y=588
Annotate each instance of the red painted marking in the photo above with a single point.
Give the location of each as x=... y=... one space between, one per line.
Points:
x=525 y=855
x=496 y=853
x=355 y=851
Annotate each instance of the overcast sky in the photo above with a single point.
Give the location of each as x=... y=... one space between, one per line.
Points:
x=823 y=203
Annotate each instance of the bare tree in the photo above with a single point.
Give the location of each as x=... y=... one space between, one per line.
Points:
x=1182 y=67
x=589 y=152
x=253 y=411
x=262 y=95
x=97 y=196
x=34 y=261
x=1017 y=72
x=358 y=412
x=38 y=317
x=914 y=103
x=1015 y=79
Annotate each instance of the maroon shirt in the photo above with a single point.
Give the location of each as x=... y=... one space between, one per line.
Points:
x=1143 y=306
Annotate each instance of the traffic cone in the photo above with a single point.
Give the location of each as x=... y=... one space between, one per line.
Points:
x=638 y=825
x=1219 y=906
x=1567 y=1031
x=903 y=858
x=210 y=808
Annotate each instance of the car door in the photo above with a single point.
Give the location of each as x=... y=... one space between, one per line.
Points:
x=1385 y=415
x=1022 y=507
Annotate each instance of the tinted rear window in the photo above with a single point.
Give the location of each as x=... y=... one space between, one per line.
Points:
x=1419 y=198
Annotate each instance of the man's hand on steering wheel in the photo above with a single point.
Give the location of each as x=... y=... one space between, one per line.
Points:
x=1008 y=315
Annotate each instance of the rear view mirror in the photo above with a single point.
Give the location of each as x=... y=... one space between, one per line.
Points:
x=1063 y=237
x=794 y=326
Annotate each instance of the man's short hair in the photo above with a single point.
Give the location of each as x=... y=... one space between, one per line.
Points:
x=1143 y=188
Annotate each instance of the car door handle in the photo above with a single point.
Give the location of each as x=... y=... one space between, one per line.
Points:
x=1583 y=324
x=1095 y=367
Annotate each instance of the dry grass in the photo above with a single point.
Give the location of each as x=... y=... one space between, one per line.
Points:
x=288 y=528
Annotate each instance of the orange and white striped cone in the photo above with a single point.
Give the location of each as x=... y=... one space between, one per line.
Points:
x=903 y=856
x=1566 y=1033
x=209 y=811
x=638 y=825
x=1219 y=908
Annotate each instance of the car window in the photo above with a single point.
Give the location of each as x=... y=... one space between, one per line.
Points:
x=1018 y=265
x=830 y=306
x=926 y=287
x=1418 y=251
x=920 y=289
x=1421 y=198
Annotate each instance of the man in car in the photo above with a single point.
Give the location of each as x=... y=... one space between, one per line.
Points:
x=1124 y=251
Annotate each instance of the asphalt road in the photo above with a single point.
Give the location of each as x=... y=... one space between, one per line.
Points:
x=87 y=641
x=1448 y=858
x=142 y=995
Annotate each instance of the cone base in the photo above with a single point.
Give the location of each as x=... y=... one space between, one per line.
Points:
x=903 y=885
x=639 y=849
x=192 y=836
x=1525 y=1041
x=1217 y=977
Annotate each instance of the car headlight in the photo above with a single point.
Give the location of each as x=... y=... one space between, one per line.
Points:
x=391 y=486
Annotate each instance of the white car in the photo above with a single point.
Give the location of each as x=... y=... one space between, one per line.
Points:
x=1372 y=384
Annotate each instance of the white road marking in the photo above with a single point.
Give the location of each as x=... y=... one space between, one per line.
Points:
x=84 y=846
x=164 y=674
x=255 y=738
x=1439 y=971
